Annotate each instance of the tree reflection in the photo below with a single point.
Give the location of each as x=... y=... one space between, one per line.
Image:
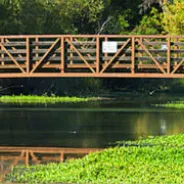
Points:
x=84 y=125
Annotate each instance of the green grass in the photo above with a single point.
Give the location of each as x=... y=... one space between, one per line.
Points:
x=160 y=163
x=39 y=99
x=176 y=104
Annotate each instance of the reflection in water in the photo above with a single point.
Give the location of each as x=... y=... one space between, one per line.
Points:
x=163 y=126
x=159 y=123
x=85 y=125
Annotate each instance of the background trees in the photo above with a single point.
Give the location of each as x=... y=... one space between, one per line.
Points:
x=89 y=16
x=71 y=16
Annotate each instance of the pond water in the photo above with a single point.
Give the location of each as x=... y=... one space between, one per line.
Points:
x=91 y=124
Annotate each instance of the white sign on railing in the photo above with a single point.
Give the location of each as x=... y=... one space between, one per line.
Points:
x=109 y=47
x=164 y=47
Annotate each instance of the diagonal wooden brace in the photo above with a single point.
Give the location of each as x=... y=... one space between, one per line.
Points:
x=117 y=53
x=12 y=58
x=151 y=56
x=80 y=55
x=45 y=55
x=177 y=67
x=34 y=158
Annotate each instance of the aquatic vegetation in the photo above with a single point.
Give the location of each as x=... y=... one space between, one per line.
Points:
x=125 y=164
x=40 y=99
x=164 y=141
x=176 y=104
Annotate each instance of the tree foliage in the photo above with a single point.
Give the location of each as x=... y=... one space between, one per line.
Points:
x=71 y=16
x=173 y=19
x=47 y=16
x=151 y=23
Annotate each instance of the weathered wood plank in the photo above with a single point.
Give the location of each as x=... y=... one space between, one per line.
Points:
x=20 y=51
x=177 y=43
x=83 y=66
x=76 y=58
x=149 y=66
x=13 y=66
x=42 y=51
x=9 y=59
x=13 y=44
x=84 y=43
x=118 y=65
x=83 y=50
x=42 y=43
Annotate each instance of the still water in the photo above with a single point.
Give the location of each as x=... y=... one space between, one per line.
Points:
x=91 y=124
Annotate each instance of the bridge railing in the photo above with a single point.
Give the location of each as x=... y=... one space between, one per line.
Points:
x=91 y=56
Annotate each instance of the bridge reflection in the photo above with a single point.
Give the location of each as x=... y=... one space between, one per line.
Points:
x=12 y=156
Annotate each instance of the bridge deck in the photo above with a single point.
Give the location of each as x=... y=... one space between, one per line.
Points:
x=92 y=56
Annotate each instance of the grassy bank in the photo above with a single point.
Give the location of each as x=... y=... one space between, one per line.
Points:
x=40 y=99
x=177 y=104
x=153 y=160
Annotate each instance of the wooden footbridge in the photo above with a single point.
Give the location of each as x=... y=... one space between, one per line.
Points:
x=92 y=56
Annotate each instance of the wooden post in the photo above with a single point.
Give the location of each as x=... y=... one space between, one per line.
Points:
x=133 y=55
x=27 y=55
x=141 y=53
x=2 y=55
x=168 y=54
x=176 y=47
x=36 y=48
x=62 y=54
x=27 y=158
x=2 y=164
x=97 y=54
x=106 y=55
x=71 y=54
x=62 y=157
